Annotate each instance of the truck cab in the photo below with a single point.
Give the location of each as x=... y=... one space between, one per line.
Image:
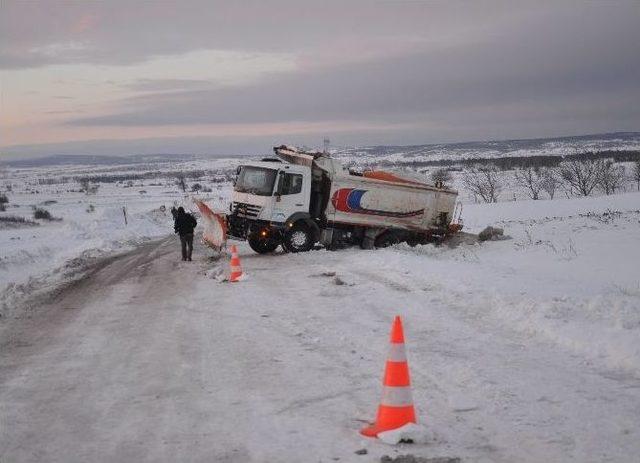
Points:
x=267 y=196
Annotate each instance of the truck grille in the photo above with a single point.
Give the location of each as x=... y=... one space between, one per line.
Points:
x=246 y=210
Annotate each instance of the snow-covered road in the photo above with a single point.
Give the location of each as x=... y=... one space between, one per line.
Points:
x=150 y=359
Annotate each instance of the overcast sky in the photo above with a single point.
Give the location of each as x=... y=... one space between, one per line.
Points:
x=238 y=76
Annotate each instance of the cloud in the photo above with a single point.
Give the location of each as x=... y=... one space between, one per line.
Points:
x=168 y=85
x=64 y=111
x=390 y=71
x=534 y=69
x=36 y=34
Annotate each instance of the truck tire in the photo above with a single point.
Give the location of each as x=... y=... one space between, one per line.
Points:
x=386 y=239
x=367 y=243
x=261 y=245
x=298 y=238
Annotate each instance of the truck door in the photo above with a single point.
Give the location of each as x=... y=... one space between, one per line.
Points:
x=292 y=195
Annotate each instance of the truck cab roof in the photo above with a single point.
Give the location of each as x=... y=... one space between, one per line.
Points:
x=294 y=168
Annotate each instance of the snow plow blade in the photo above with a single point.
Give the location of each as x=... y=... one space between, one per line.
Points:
x=215 y=226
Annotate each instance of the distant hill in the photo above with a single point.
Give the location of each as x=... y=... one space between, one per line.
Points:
x=416 y=154
x=89 y=160
x=561 y=146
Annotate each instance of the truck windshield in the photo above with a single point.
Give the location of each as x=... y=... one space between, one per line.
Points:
x=256 y=180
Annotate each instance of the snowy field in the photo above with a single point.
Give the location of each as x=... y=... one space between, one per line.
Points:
x=42 y=254
x=525 y=349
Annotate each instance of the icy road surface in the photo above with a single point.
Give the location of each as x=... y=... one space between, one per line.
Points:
x=520 y=350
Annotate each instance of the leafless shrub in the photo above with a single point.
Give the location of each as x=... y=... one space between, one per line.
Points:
x=611 y=177
x=570 y=249
x=636 y=173
x=88 y=187
x=484 y=182
x=530 y=178
x=581 y=177
x=42 y=214
x=9 y=221
x=441 y=177
x=632 y=291
x=3 y=202
x=181 y=182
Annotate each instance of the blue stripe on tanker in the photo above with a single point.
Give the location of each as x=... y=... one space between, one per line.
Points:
x=354 y=198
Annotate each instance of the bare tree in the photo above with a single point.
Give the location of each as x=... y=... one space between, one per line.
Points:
x=3 y=201
x=636 y=173
x=181 y=182
x=84 y=184
x=88 y=187
x=531 y=178
x=581 y=176
x=484 y=182
x=549 y=181
x=610 y=177
x=441 y=177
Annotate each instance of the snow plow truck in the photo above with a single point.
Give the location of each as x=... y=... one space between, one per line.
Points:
x=300 y=199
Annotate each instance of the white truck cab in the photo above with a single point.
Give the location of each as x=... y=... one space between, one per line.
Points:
x=271 y=191
x=267 y=195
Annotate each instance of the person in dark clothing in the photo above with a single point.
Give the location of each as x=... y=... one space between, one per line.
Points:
x=184 y=223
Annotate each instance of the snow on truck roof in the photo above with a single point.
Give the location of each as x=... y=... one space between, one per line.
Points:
x=275 y=165
x=396 y=178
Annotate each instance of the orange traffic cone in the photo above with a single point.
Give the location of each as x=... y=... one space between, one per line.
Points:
x=236 y=270
x=396 y=407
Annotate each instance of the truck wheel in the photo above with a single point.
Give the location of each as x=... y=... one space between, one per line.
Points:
x=367 y=243
x=387 y=239
x=298 y=239
x=262 y=246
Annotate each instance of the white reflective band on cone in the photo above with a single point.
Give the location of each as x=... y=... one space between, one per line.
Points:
x=235 y=269
x=395 y=396
x=397 y=353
